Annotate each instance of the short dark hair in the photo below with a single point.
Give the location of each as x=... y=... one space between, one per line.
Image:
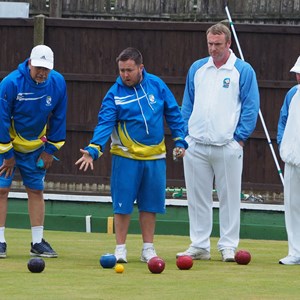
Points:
x=130 y=53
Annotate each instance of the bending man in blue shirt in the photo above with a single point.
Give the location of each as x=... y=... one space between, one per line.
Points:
x=132 y=114
x=30 y=97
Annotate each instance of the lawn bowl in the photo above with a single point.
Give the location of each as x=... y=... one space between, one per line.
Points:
x=242 y=257
x=108 y=261
x=184 y=262
x=156 y=265
x=36 y=265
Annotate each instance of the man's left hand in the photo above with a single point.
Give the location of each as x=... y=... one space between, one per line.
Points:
x=47 y=159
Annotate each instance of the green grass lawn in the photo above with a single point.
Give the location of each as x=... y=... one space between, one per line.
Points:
x=77 y=274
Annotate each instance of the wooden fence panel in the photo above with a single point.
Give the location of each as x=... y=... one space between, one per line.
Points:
x=179 y=7
x=138 y=6
x=17 y=39
x=84 y=6
x=175 y=8
x=246 y=11
x=85 y=53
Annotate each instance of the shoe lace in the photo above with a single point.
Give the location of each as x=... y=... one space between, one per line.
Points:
x=149 y=252
x=227 y=252
x=120 y=252
x=43 y=246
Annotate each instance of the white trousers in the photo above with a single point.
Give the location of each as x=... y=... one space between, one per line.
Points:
x=292 y=207
x=202 y=165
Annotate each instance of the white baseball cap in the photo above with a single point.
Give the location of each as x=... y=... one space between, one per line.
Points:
x=42 y=56
x=296 y=67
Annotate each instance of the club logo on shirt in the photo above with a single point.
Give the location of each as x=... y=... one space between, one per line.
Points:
x=19 y=96
x=25 y=97
x=48 y=101
x=152 y=98
x=226 y=83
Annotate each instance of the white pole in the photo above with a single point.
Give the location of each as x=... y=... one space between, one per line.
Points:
x=88 y=226
x=260 y=114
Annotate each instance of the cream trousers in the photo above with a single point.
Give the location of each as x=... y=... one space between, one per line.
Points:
x=204 y=167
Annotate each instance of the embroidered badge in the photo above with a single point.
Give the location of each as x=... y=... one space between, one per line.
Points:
x=48 y=101
x=152 y=98
x=226 y=83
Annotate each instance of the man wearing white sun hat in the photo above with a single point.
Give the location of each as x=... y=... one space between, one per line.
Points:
x=288 y=139
x=31 y=97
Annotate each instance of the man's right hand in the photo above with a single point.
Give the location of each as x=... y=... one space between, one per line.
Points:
x=85 y=161
x=7 y=167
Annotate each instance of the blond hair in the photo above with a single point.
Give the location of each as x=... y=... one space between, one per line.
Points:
x=219 y=29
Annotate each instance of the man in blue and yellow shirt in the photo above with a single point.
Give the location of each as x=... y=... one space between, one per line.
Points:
x=30 y=97
x=133 y=114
